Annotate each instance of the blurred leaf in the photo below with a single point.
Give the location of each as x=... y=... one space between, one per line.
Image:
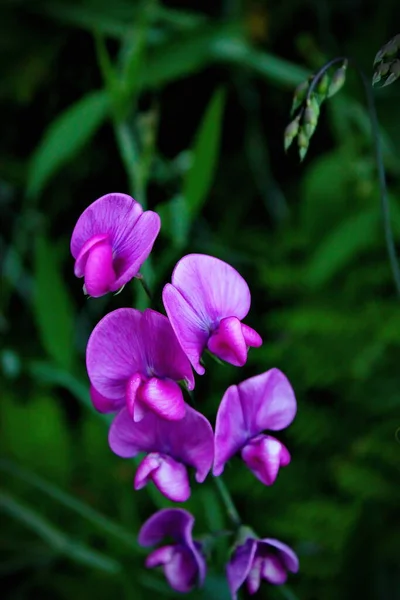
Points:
x=35 y=434
x=348 y=240
x=205 y=154
x=175 y=218
x=53 y=309
x=55 y=538
x=71 y=502
x=65 y=137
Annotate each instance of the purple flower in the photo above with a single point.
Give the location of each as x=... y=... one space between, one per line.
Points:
x=260 y=559
x=182 y=561
x=171 y=445
x=263 y=402
x=205 y=303
x=133 y=359
x=110 y=242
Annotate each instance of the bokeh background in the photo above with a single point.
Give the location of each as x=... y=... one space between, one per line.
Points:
x=183 y=105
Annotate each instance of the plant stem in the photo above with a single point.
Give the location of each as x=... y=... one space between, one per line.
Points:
x=227 y=500
x=145 y=286
x=376 y=140
x=385 y=208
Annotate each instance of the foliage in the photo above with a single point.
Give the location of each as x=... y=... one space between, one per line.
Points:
x=176 y=106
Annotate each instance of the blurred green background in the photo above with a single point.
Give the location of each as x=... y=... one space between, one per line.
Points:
x=183 y=105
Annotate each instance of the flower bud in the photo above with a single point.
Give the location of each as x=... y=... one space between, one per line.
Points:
x=323 y=86
x=389 y=50
x=311 y=115
x=338 y=80
x=381 y=71
x=300 y=94
x=394 y=72
x=303 y=142
x=290 y=132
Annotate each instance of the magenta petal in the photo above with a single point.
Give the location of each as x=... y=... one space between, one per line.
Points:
x=264 y=455
x=181 y=571
x=133 y=248
x=251 y=337
x=230 y=429
x=99 y=272
x=253 y=580
x=191 y=331
x=239 y=565
x=80 y=262
x=112 y=214
x=188 y=441
x=169 y=476
x=227 y=342
x=164 y=397
x=103 y=404
x=115 y=352
x=268 y=402
x=285 y=553
x=131 y=391
x=175 y=522
x=160 y=556
x=212 y=288
x=273 y=571
x=163 y=353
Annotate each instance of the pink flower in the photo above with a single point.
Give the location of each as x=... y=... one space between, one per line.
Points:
x=260 y=559
x=182 y=561
x=170 y=446
x=205 y=303
x=133 y=359
x=263 y=402
x=110 y=242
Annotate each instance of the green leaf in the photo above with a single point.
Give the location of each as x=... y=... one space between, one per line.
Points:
x=46 y=445
x=199 y=177
x=53 y=309
x=70 y=502
x=349 y=239
x=55 y=538
x=65 y=137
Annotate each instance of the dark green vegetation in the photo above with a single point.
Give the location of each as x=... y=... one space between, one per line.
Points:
x=132 y=97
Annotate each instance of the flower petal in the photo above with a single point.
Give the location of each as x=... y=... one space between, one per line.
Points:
x=164 y=356
x=230 y=430
x=273 y=570
x=227 y=342
x=103 y=404
x=169 y=476
x=264 y=455
x=182 y=570
x=190 y=331
x=212 y=288
x=175 y=522
x=115 y=352
x=188 y=441
x=112 y=214
x=251 y=337
x=285 y=553
x=164 y=397
x=133 y=248
x=99 y=272
x=160 y=556
x=80 y=262
x=253 y=580
x=239 y=565
x=268 y=402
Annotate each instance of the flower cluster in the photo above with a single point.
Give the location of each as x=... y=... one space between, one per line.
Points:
x=140 y=365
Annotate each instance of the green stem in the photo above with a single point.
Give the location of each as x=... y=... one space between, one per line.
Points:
x=145 y=286
x=376 y=140
x=385 y=207
x=227 y=500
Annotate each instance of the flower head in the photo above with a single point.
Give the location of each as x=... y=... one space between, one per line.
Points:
x=133 y=359
x=205 y=303
x=182 y=561
x=263 y=402
x=110 y=242
x=171 y=445
x=260 y=559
